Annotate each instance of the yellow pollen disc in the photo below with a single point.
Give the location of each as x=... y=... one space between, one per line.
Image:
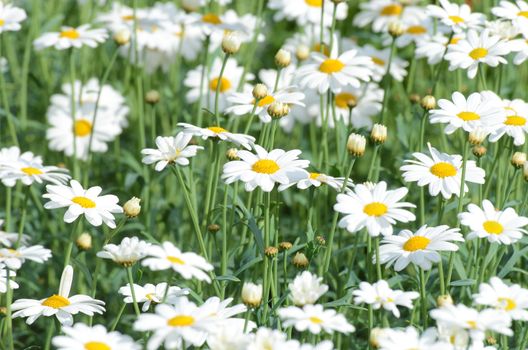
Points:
x=416 y=243
x=69 y=34
x=456 y=19
x=478 y=53
x=331 y=65
x=454 y=41
x=467 y=116
x=375 y=209
x=56 y=301
x=443 y=169
x=378 y=61
x=2 y=22
x=493 y=227
x=523 y=14
x=82 y=127
x=314 y=176
x=342 y=99
x=265 y=166
x=32 y=171
x=472 y=324
x=216 y=129
x=175 y=260
x=266 y=101
x=211 y=18
x=149 y=296
x=95 y=345
x=181 y=321
x=324 y=50
x=314 y=3
x=225 y=84
x=316 y=320
x=127 y=17
x=391 y=10
x=84 y=202
x=416 y=30
x=515 y=120
x=508 y=304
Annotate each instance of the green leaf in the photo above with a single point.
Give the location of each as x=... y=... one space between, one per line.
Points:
x=510 y=264
x=228 y=278
x=462 y=283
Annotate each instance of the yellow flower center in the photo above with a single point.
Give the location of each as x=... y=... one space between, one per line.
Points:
x=216 y=129
x=508 y=304
x=391 y=10
x=416 y=30
x=467 y=116
x=493 y=227
x=416 y=243
x=331 y=65
x=181 y=321
x=95 y=345
x=82 y=127
x=56 y=301
x=443 y=169
x=454 y=41
x=515 y=120
x=316 y=320
x=523 y=14
x=265 y=166
x=149 y=296
x=342 y=99
x=2 y=22
x=32 y=171
x=314 y=3
x=324 y=50
x=456 y=19
x=472 y=324
x=314 y=176
x=478 y=53
x=375 y=209
x=70 y=34
x=175 y=260
x=127 y=17
x=225 y=84
x=378 y=61
x=266 y=101
x=84 y=202
x=211 y=18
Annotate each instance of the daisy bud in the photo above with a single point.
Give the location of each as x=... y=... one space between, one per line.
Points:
x=300 y=260
x=213 y=228
x=428 y=102
x=260 y=91
x=152 y=97
x=285 y=245
x=190 y=5
x=356 y=145
x=414 y=98
x=320 y=240
x=518 y=159
x=84 y=241
x=375 y=334
x=477 y=136
x=351 y=102
x=231 y=43
x=251 y=294
x=278 y=110
x=283 y=58
x=396 y=29
x=232 y=154
x=122 y=37
x=479 y=151
x=379 y=133
x=271 y=252
x=132 y=207
x=3 y=310
x=490 y=340
x=302 y=53
x=444 y=300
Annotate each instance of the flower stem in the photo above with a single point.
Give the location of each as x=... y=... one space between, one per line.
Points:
x=132 y=290
x=9 y=319
x=388 y=81
x=5 y=102
x=218 y=88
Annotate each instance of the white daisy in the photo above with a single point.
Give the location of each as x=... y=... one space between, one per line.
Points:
x=441 y=172
x=318 y=179
x=314 y=319
x=433 y=47
x=475 y=112
x=409 y=338
x=7 y=239
x=415 y=30
x=221 y=312
x=380 y=13
x=512 y=299
x=516 y=12
x=374 y=207
x=14 y=258
x=520 y=47
x=498 y=226
x=266 y=339
x=514 y=124
x=243 y=140
x=152 y=294
x=130 y=250
x=379 y=295
x=4 y=279
x=95 y=208
x=380 y=60
x=171 y=150
x=306 y=12
x=71 y=37
x=81 y=337
x=306 y=288
x=188 y=265
x=227 y=337
x=60 y=305
x=420 y=248
x=457 y=17
x=11 y=17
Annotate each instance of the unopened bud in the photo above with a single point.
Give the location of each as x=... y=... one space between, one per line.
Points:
x=152 y=97
x=490 y=340
x=283 y=58
x=285 y=245
x=477 y=136
x=428 y=102
x=260 y=91
x=356 y=145
x=525 y=171
x=251 y=294
x=3 y=310
x=320 y=240
x=132 y=207
x=300 y=260
x=302 y=53
x=213 y=228
x=271 y=251
x=518 y=159
x=444 y=300
x=479 y=151
x=84 y=241
x=232 y=154
x=379 y=133
x=375 y=334
x=396 y=29
x=231 y=43
x=278 y=110
x=190 y=5
x=122 y=37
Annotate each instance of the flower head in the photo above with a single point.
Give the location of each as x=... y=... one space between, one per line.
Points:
x=171 y=150
x=130 y=250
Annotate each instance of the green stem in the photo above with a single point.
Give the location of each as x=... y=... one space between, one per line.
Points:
x=388 y=81
x=9 y=319
x=132 y=290
x=218 y=87
x=5 y=102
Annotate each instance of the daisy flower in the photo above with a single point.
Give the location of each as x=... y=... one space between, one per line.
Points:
x=95 y=208
x=7 y=239
x=409 y=338
x=4 y=279
x=516 y=12
x=226 y=337
x=265 y=169
x=306 y=288
x=314 y=319
x=127 y=253
x=477 y=48
x=458 y=17
x=520 y=47
x=60 y=305
x=243 y=140
x=514 y=125
x=497 y=294
x=433 y=47
x=266 y=338
x=420 y=248
x=221 y=312
x=380 y=13
x=11 y=17
x=318 y=179
x=380 y=60
x=415 y=30
x=468 y=114
x=441 y=172
x=306 y=12
x=152 y=294
x=81 y=336
x=335 y=72
x=498 y=226
x=188 y=265
x=171 y=150
x=379 y=295
x=14 y=258
x=373 y=207
x=71 y=37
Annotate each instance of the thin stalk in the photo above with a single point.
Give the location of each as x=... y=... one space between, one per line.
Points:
x=9 y=319
x=205 y=64
x=132 y=290
x=5 y=102
x=388 y=81
x=218 y=88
